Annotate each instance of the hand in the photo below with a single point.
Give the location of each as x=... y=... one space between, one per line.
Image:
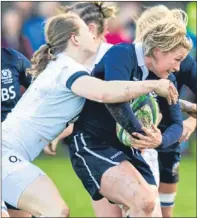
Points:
x=51 y=148
x=152 y=139
x=167 y=90
x=189 y=127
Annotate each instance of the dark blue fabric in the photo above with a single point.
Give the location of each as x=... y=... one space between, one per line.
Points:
x=74 y=77
x=13 y=67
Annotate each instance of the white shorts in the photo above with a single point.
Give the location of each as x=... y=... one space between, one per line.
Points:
x=151 y=158
x=17 y=174
x=4 y=208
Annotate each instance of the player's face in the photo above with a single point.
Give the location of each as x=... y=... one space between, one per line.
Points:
x=86 y=39
x=164 y=63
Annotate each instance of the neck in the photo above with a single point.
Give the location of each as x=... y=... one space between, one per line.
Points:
x=76 y=55
x=148 y=62
x=89 y=61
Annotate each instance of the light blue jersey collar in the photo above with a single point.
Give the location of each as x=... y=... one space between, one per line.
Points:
x=140 y=59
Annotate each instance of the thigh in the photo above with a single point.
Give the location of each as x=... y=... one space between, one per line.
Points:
x=122 y=183
x=17 y=173
x=90 y=159
x=43 y=195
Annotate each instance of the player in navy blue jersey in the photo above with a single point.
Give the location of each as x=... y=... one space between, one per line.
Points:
x=185 y=75
x=13 y=67
x=103 y=164
x=13 y=76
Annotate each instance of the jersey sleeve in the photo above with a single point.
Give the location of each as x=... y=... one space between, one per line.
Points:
x=69 y=75
x=22 y=64
x=172 y=113
x=188 y=74
x=118 y=62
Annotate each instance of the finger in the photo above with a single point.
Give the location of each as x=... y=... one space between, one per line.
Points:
x=182 y=138
x=147 y=131
x=173 y=97
x=140 y=136
x=174 y=90
x=169 y=99
x=54 y=145
x=154 y=127
x=47 y=151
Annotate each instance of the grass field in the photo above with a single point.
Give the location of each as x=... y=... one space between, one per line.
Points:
x=71 y=189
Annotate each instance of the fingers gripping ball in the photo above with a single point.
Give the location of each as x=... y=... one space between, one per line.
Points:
x=146 y=110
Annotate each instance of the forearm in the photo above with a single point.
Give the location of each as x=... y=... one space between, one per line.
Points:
x=122 y=91
x=124 y=115
x=175 y=130
x=111 y=91
x=187 y=106
x=66 y=132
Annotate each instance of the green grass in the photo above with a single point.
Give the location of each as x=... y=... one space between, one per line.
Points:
x=60 y=171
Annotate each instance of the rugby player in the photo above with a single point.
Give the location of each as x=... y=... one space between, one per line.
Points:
x=98 y=159
x=13 y=76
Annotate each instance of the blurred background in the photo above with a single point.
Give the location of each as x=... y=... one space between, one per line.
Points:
x=22 y=29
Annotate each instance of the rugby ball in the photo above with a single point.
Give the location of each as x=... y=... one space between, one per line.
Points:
x=146 y=110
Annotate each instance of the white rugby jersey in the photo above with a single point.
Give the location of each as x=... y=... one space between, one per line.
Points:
x=48 y=104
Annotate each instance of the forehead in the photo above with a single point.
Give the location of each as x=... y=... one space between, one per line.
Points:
x=181 y=51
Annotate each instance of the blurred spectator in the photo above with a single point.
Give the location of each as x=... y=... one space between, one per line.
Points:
x=33 y=26
x=191 y=10
x=48 y=9
x=11 y=34
x=116 y=32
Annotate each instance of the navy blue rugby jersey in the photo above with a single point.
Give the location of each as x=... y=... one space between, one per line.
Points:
x=119 y=63
x=187 y=75
x=13 y=67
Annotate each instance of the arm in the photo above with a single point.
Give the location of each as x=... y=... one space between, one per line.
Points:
x=22 y=65
x=175 y=129
x=189 y=126
x=124 y=115
x=116 y=91
x=188 y=107
x=118 y=64
x=188 y=74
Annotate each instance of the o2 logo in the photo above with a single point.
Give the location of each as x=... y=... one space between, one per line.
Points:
x=7 y=93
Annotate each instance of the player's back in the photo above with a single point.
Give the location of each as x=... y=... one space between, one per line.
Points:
x=48 y=105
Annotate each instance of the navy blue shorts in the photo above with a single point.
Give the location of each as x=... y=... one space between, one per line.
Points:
x=169 y=162
x=92 y=157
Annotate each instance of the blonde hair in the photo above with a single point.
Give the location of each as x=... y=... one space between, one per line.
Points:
x=96 y=12
x=160 y=27
x=58 y=30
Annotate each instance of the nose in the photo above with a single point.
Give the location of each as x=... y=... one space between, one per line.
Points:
x=177 y=67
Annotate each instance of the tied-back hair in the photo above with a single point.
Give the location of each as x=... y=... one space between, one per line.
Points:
x=160 y=27
x=58 y=30
x=92 y=12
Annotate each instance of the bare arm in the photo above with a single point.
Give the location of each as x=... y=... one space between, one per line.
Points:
x=188 y=107
x=121 y=91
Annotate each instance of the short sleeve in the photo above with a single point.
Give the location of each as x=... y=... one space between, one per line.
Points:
x=118 y=62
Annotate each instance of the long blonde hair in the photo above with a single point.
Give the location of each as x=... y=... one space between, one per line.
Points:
x=58 y=30
x=160 y=27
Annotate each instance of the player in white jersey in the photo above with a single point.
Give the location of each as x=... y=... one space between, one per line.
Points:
x=56 y=97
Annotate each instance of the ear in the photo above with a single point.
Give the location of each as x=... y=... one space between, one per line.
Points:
x=93 y=29
x=74 y=40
